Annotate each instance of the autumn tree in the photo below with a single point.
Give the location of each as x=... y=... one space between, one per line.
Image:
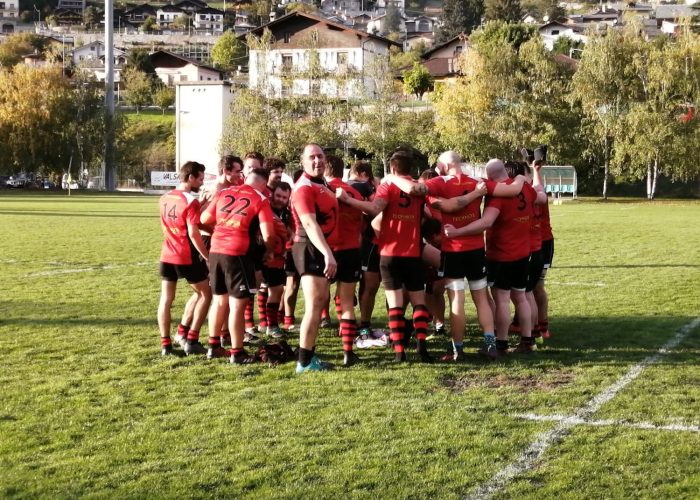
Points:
x=164 y=97
x=417 y=80
x=228 y=52
x=138 y=88
x=509 y=11
x=459 y=16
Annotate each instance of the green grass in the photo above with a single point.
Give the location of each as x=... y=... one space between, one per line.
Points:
x=89 y=408
x=154 y=116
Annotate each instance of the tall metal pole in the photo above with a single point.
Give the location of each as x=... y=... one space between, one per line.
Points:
x=109 y=177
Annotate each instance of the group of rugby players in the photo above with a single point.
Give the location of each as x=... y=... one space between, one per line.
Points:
x=253 y=233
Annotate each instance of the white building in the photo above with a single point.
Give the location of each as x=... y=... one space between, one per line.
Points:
x=95 y=51
x=202 y=109
x=9 y=15
x=211 y=20
x=173 y=68
x=552 y=31
x=343 y=55
x=167 y=14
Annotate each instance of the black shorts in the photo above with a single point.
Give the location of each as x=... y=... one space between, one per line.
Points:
x=289 y=266
x=470 y=264
x=274 y=276
x=370 y=257
x=256 y=254
x=508 y=275
x=232 y=274
x=534 y=270
x=349 y=265
x=193 y=273
x=308 y=259
x=206 y=238
x=547 y=253
x=400 y=272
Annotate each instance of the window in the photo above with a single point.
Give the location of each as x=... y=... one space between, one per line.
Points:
x=202 y=17
x=287 y=36
x=555 y=32
x=287 y=62
x=2 y=5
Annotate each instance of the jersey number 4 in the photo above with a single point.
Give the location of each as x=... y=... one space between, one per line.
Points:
x=228 y=208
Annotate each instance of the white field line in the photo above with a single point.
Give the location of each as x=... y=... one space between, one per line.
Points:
x=575 y=283
x=617 y=423
x=546 y=439
x=55 y=272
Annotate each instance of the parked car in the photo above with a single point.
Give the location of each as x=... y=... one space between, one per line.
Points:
x=16 y=183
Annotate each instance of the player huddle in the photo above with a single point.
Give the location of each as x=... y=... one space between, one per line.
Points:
x=253 y=234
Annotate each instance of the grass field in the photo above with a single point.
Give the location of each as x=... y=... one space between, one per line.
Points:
x=89 y=408
x=155 y=116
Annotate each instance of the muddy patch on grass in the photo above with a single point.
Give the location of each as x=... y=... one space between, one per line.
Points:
x=544 y=381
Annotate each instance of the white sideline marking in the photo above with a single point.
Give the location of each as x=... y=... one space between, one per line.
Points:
x=546 y=439
x=85 y=269
x=617 y=423
x=575 y=283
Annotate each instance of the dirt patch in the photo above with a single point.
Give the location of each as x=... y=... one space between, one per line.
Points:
x=545 y=381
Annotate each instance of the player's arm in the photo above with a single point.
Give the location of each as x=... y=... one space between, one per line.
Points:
x=537 y=184
x=408 y=186
x=208 y=215
x=502 y=190
x=196 y=238
x=476 y=227
x=373 y=207
x=458 y=202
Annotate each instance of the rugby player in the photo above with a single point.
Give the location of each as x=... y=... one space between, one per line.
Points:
x=315 y=211
x=346 y=250
x=183 y=255
x=232 y=273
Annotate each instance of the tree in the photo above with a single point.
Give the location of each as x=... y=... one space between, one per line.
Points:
x=149 y=25
x=92 y=17
x=459 y=16
x=604 y=90
x=138 y=88
x=18 y=45
x=393 y=19
x=140 y=60
x=45 y=119
x=509 y=11
x=228 y=52
x=417 y=80
x=164 y=97
x=181 y=22
x=565 y=45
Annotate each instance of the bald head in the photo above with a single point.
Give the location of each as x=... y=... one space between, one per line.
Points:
x=496 y=170
x=449 y=161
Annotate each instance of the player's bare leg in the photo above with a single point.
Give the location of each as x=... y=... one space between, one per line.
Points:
x=291 y=290
x=542 y=300
x=218 y=319
x=186 y=321
x=455 y=293
x=203 y=291
x=316 y=290
x=167 y=296
x=522 y=309
x=502 y=303
x=236 y=325
x=368 y=295
x=482 y=301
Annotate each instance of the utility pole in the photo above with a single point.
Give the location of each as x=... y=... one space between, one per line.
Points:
x=110 y=181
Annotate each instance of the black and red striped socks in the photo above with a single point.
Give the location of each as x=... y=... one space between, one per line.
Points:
x=396 y=327
x=262 y=307
x=348 y=332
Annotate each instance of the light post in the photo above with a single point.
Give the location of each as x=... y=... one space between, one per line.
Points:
x=38 y=12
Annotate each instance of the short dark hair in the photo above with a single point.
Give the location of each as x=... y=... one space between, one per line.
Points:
x=515 y=168
x=255 y=155
x=261 y=172
x=402 y=162
x=273 y=163
x=284 y=186
x=362 y=167
x=334 y=166
x=227 y=162
x=191 y=168
x=428 y=174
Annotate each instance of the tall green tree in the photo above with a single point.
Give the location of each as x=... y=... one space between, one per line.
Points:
x=509 y=11
x=417 y=80
x=164 y=97
x=228 y=52
x=604 y=87
x=138 y=88
x=459 y=16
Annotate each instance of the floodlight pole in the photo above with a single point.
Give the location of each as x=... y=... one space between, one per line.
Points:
x=110 y=181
